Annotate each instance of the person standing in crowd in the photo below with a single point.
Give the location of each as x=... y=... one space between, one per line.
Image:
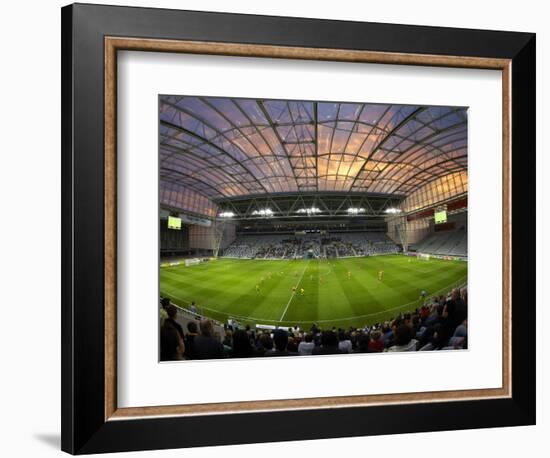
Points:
x=344 y=342
x=306 y=346
x=280 y=339
x=172 y=347
x=329 y=344
x=403 y=339
x=164 y=303
x=241 y=345
x=205 y=345
x=376 y=344
x=172 y=312
x=192 y=332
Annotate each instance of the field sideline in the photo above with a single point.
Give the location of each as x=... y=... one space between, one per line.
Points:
x=337 y=292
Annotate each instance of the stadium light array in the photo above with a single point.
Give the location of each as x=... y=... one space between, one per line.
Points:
x=263 y=212
x=227 y=214
x=309 y=211
x=393 y=210
x=355 y=211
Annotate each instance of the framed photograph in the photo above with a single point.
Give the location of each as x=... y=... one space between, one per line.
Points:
x=284 y=228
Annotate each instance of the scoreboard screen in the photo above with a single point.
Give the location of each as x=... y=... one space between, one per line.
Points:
x=440 y=216
x=174 y=223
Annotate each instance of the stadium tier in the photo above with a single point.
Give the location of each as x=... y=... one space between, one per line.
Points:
x=292 y=247
x=449 y=243
x=326 y=225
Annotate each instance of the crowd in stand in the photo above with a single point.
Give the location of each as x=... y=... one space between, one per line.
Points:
x=290 y=247
x=439 y=325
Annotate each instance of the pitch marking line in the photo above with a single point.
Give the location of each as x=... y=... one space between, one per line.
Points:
x=294 y=292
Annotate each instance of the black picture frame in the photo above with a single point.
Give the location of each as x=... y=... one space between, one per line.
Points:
x=84 y=427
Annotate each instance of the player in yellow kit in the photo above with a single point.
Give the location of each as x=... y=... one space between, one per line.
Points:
x=381 y=275
x=302 y=291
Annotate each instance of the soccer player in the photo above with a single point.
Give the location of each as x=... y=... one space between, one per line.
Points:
x=423 y=294
x=294 y=289
x=257 y=289
x=349 y=274
x=381 y=275
x=302 y=291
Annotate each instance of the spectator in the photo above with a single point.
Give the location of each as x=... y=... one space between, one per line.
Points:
x=293 y=342
x=250 y=333
x=228 y=338
x=205 y=346
x=280 y=339
x=387 y=335
x=265 y=344
x=189 y=338
x=344 y=342
x=172 y=347
x=441 y=337
x=456 y=311
x=461 y=330
x=435 y=317
x=227 y=342
x=403 y=339
x=363 y=343
x=306 y=346
x=424 y=312
x=329 y=344
x=241 y=345
x=172 y=312
x=164 y=303
x=376 y=344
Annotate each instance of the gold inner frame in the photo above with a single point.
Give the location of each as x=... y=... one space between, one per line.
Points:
x=114 y=44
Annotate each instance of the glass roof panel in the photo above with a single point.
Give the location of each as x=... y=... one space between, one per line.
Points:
x=224 y=147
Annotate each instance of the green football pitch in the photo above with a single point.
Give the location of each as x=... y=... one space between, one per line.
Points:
x=336 y=292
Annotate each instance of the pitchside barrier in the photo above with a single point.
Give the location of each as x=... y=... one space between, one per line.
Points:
x=463 y=282
x=187 y=262
x=444 y=257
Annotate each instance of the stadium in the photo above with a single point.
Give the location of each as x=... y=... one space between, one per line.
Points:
x=311 y=222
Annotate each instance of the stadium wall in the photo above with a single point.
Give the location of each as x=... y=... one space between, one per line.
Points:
x=229 y=234
x=202 y=237
x=418 y=230
x=405 y=232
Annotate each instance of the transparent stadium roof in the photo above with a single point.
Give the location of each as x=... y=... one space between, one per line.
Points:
x=230 y=147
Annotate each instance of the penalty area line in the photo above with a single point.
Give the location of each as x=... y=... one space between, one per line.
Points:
x=293 y=292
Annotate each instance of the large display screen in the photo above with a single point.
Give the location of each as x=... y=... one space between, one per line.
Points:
x=440 y=217
x=174 y=223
